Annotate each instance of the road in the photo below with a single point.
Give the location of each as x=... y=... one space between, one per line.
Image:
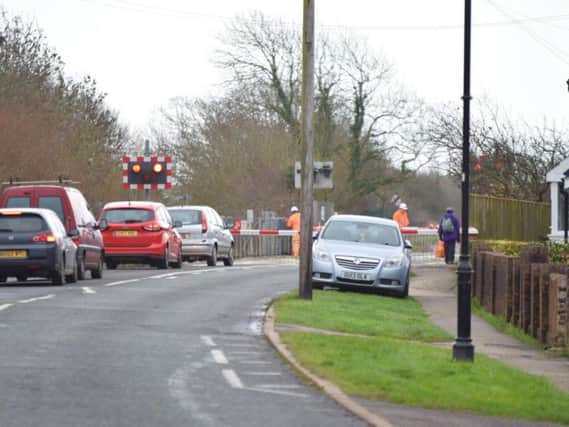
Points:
x=147 y=347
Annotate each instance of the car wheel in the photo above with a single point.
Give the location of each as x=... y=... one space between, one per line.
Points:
x=2 y=279
x=178 y=263
x=72 y=278
x=229 y=260
x=80 y=267
x=57 y=277
x=21 y=278
x=97 y=273
x=163 y=263
x=212 y=259
x=405 y=292
x=111 y=265
x=316 y=285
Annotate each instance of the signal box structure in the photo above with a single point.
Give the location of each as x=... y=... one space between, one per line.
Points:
x=147 y=172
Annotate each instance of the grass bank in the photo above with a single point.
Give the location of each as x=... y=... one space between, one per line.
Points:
x=397 y=361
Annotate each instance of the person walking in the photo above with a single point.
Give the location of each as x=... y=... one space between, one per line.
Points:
x=449 y=233
x=293 y=223
x=401 y=216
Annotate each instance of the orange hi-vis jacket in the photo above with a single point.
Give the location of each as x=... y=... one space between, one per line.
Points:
x=293 y=221
x=400 y=216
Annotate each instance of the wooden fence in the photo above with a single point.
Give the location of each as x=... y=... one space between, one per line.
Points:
x=509 y=219
x=526 y=291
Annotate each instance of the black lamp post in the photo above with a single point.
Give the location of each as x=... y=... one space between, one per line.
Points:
x=463 y=349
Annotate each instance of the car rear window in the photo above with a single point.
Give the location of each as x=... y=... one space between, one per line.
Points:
x=54 y=203
x=18 y=202
x=24 y=223
x=128 y=215
x=186 y=216
x=362 y=232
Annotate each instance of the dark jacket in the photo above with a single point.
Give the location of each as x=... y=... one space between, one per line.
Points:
x=455 y=234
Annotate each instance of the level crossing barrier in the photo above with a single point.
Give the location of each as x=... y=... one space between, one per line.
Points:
x=270 y=242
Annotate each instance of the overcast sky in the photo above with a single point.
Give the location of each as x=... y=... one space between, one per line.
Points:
x=144 y=52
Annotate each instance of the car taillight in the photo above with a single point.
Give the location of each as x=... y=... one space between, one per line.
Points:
x=76 y=240
x=43 y=238
x=204 y=223
x=152 y=227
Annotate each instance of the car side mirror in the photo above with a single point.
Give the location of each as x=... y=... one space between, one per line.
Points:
x=177 y=224
x=315 y=235
x=73 y=233
x=102 y=225
x=408 y=244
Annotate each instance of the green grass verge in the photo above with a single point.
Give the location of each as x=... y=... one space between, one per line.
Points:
x=390 y=364
x=424 y=375
x=503 y=326
x=360 y=314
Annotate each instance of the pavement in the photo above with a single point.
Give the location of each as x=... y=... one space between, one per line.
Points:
x=434 y=287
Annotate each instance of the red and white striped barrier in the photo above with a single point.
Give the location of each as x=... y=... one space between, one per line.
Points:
x=404 y=231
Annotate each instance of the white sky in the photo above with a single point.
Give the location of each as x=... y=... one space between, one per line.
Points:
x=144 y=52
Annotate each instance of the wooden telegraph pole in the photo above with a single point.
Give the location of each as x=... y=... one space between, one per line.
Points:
x=305 y=268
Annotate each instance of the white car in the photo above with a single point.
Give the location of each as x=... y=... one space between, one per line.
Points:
x=204 y=235
x=356 y=251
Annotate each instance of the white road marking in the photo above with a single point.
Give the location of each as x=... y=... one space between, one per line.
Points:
x=88 y=290
x=219 y=357
x=247 y=352
x=171 y=277
x=208 y=340
x=26 y=301
x=122 y=282
x=255 y=362
x=232 y=378
x=242 y=345
x=5 y=306
x=271 y=374
x=277 y=386
x=281 y=392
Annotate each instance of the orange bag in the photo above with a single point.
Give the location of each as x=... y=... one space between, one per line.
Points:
x=440 y=249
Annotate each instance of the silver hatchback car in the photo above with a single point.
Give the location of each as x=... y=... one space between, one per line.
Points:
x=355 y=251
x=204 y=235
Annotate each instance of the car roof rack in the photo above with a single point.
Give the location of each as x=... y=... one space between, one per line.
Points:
x=59 y=181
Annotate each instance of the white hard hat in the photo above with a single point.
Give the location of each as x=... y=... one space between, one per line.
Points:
x=294 y=209
x=403 y=206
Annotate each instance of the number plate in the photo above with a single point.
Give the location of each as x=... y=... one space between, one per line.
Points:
x=355 y=275
x=125 y=233
x=186 y=236
x=13 y=254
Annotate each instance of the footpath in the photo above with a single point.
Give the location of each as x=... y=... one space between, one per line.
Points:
x=434 y=287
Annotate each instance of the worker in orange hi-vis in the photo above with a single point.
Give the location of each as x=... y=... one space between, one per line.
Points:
x=401 y=216
x=293 y=223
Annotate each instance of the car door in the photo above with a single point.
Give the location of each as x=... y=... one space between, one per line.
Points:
x=173 y=241
x=222 y=235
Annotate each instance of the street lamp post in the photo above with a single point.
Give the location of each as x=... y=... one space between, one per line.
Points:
x=463 y=349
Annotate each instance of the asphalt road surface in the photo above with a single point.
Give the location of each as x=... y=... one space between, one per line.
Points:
x=147 y=347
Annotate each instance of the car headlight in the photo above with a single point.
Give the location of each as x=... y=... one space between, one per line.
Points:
x=321 y=255
x=394 y=262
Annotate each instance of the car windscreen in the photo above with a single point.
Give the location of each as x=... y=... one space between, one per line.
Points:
x=128 y=215
x=22 y=223
x=363 y=232
x=186 y=216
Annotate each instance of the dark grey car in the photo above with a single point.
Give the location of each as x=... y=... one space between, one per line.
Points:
x=34 y=243
x=204 y=235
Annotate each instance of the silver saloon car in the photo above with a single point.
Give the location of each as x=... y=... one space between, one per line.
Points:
x=356 y=251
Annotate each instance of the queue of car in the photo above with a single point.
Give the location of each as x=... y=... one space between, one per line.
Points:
x=47 y=231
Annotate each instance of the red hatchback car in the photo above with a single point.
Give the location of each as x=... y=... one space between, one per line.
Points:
x=139 y=233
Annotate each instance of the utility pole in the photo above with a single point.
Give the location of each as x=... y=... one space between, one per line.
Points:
x=147 y=153
x=305 y=268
